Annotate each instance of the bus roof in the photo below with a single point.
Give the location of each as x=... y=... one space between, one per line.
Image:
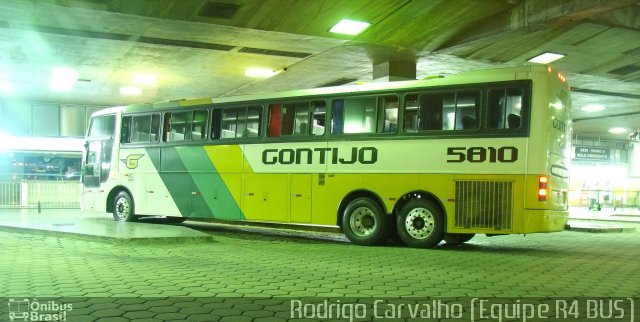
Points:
x=476 y=76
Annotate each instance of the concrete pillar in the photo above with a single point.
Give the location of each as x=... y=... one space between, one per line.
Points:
x=390 y=71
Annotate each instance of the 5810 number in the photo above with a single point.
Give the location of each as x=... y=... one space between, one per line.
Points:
x=478 y=154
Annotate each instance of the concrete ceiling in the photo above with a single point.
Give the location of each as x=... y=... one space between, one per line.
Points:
x=201 y=48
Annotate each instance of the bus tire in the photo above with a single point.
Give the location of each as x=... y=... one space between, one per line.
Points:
x=123 y=207
x=420 y=224
x=456 y=239
x=364 y=222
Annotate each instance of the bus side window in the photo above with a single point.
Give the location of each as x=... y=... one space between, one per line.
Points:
x=125 y=130
x=432 y=108
x=155 y=127
x=216 y=123
x=254 y=119
x=411 y=112
x=229 y=123
x=505 y=108
x=390 y=113
x=337 y=116
x=141 y=129
x=466 y=110
x=355 y=115
x=180 y=127
x=275 y=112
x=199 y=125
x=318 y=109
x=166 y=128
x=301 y=118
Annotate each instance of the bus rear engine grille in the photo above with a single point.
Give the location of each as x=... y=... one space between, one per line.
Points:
x=484 y=204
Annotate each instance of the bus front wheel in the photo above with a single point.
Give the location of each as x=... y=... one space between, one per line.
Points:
x=123 y=207
x=420 y=224
x=364 y=222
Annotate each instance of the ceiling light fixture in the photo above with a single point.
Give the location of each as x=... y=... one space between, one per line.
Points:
x=130 y=90
x=6 y=87
x=593 y=108
x=144 y=79
x=349 y=27
x=545 y=58
x=617 y=130
x=60 y=86
x=257 y=72
x=64 y=74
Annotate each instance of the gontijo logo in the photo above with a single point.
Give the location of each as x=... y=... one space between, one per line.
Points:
x=132 y=160
x=362 y=155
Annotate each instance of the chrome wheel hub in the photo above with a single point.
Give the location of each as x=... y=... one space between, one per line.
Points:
x=419 y=223
x=122 y=208
x=362 y=222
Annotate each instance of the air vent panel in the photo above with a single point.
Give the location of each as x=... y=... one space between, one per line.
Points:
x=219 y=10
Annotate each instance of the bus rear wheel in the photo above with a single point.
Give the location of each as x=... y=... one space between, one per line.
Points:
x=364 y=222
x=123 y=207
x=420 y=224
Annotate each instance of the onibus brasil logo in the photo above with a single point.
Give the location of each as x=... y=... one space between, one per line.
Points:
x=34 y=310
x=132 y=160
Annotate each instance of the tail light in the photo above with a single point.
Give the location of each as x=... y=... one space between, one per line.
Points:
x=542 y=188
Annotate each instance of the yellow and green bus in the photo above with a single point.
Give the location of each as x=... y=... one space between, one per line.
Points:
x=484 y=152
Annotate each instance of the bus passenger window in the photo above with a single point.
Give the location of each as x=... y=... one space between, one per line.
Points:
x=390 y=117
x=230 y=125
x=318 y=117
x=180 y=127
x=275 y=111
x=167 y=127
x=355 y=115
x=216 y=117
x=505 y=108
x=155 y=127
x=252 y=128
x=199 y=125
x=410 y=113
x=466 y=110
x=141 y=130
x=295 y=119
x=301 y=122
x=125 y=129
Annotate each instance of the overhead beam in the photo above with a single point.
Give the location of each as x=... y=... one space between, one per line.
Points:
x=533 y=15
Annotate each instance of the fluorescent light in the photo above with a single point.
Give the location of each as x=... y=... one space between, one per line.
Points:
x=7 y=87
x=60 y=86
x=593 y=108
x=617 y=130
x=259 y=72
x=130 y=90
x=546 y=58
x=144 y=79
x=349 y=27
x=64 y=74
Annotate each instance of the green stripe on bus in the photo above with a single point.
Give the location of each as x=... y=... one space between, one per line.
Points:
x=175 y=178
x=214 y=195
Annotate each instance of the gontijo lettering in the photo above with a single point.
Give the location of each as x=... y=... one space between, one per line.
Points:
x=363 y=155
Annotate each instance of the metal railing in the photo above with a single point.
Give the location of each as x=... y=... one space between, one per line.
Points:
x=40 y=194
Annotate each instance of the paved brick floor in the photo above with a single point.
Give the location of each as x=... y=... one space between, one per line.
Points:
x=251 y=271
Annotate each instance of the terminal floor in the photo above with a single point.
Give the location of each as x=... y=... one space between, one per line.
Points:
x=248 y=266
